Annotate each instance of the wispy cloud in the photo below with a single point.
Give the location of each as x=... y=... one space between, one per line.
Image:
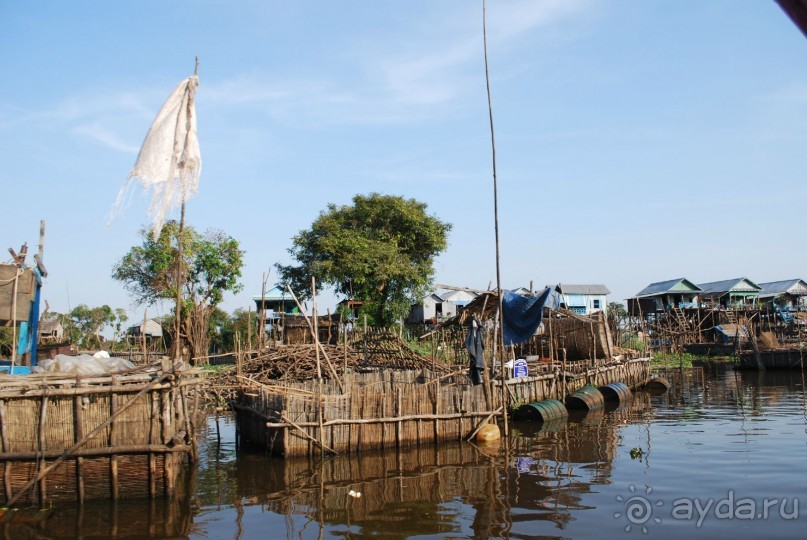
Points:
x=105 y=136
x=408 y=79
x=434 y=72
x=414 y=76
x=103 y=117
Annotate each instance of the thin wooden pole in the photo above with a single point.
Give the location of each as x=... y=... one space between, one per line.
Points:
x=496 y=222
x=262 y=331
x=178 y=314
x=249 y=329
x=143 y=339
x=320 y=403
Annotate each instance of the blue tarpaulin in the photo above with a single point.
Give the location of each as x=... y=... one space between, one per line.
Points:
x=523 y=314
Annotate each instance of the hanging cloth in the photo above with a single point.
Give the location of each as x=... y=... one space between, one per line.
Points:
x=169 y=162
x=474 y=342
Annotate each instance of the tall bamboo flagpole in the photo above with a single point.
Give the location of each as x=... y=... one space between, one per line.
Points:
x=178 y=318
x=499 y=291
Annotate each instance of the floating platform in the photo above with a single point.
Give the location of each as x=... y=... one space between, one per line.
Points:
x=773 y=359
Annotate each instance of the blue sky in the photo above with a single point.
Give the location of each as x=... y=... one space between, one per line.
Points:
x=637 y=141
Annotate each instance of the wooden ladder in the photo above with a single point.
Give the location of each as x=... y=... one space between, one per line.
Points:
x=682 y=320
x=731 y=317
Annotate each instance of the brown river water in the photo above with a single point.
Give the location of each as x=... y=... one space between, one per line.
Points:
x=723 y=454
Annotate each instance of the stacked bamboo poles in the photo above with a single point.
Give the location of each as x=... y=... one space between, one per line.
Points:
x=81 y=437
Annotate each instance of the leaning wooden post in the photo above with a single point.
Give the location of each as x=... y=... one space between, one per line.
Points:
x=319 y=346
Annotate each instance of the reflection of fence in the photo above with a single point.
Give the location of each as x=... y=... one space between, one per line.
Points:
x=397 y=489
x=167 y=518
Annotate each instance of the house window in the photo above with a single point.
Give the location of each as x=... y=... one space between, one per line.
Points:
x=596 y=304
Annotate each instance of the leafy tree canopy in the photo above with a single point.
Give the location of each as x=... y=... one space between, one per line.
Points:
x=379 y=250
x=211 y=266
x=83 y=324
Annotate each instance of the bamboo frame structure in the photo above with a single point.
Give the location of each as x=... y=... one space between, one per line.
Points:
x=77 y=437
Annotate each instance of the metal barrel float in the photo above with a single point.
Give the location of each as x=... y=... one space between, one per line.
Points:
x=587 y=398
x=658 y=385
x=541 y=411
x=618 y=392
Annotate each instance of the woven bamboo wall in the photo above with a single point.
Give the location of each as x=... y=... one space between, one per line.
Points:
x=376 y=409
x=581 y=340
x=144 y=424
x=446 y=412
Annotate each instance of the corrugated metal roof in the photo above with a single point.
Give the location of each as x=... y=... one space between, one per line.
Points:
x=274 y=294
x=661 y=287
x=774 y=288
x=566 y=288
x=458 y=296
x=727 y=285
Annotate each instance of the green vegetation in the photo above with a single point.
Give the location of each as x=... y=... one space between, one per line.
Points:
x=379 y=250
x=687 y=360
x=211 y=266
x=423 y=348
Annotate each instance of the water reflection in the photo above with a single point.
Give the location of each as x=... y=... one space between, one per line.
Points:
x=102 y=519
x=457 y=489
x=715 y=430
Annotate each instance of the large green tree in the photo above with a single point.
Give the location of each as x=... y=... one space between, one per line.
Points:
x=379 y=250
x=211 y=266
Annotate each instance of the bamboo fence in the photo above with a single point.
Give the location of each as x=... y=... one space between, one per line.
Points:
x=117 y=435
x=395 y=408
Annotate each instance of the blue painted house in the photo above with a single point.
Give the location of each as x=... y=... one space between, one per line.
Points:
x=583 y=299
x=730 y=293
x=663 y=295
x=790 y=294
